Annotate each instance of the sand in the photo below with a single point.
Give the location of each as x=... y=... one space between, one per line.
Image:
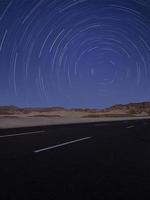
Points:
x=26 y=121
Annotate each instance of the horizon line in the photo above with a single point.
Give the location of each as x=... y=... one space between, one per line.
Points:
x=68 y=108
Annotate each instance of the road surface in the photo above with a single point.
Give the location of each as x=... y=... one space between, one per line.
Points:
x=106 y=160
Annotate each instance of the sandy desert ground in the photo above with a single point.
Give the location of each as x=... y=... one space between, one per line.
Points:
x=11 y=116
x=27 y=121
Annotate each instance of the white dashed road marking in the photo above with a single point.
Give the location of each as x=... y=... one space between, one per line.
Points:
x=21 y=134
x=63 y=144
x=130 y=126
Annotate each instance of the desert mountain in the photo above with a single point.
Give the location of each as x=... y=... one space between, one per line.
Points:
x=131 y=109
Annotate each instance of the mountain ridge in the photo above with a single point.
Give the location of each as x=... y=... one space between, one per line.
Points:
x=130 y=108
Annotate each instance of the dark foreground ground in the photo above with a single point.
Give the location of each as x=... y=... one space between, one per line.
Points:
x=108 y=160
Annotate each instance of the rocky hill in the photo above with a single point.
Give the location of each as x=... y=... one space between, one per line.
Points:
x=131 y=109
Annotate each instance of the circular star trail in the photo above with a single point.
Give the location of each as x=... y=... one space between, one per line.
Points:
x=74 y=53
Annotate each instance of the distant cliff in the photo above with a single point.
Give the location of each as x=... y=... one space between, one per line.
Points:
x=130 y=109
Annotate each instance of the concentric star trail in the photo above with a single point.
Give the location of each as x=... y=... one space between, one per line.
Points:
x=74 y=53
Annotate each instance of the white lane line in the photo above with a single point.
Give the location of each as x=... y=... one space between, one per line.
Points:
x=104 y=124
x=60 y=145
x=130 y=126
x=20 y=134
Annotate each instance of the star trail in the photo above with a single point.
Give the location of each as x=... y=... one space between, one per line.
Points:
x=74 y=53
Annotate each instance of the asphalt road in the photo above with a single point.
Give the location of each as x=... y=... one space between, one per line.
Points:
x=108 y=160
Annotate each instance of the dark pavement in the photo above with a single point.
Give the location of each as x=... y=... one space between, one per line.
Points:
x=106 y=160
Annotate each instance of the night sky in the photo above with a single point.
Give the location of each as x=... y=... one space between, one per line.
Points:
x=74 y=53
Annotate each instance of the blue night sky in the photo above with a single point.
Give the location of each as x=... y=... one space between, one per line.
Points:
x=74 y=53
